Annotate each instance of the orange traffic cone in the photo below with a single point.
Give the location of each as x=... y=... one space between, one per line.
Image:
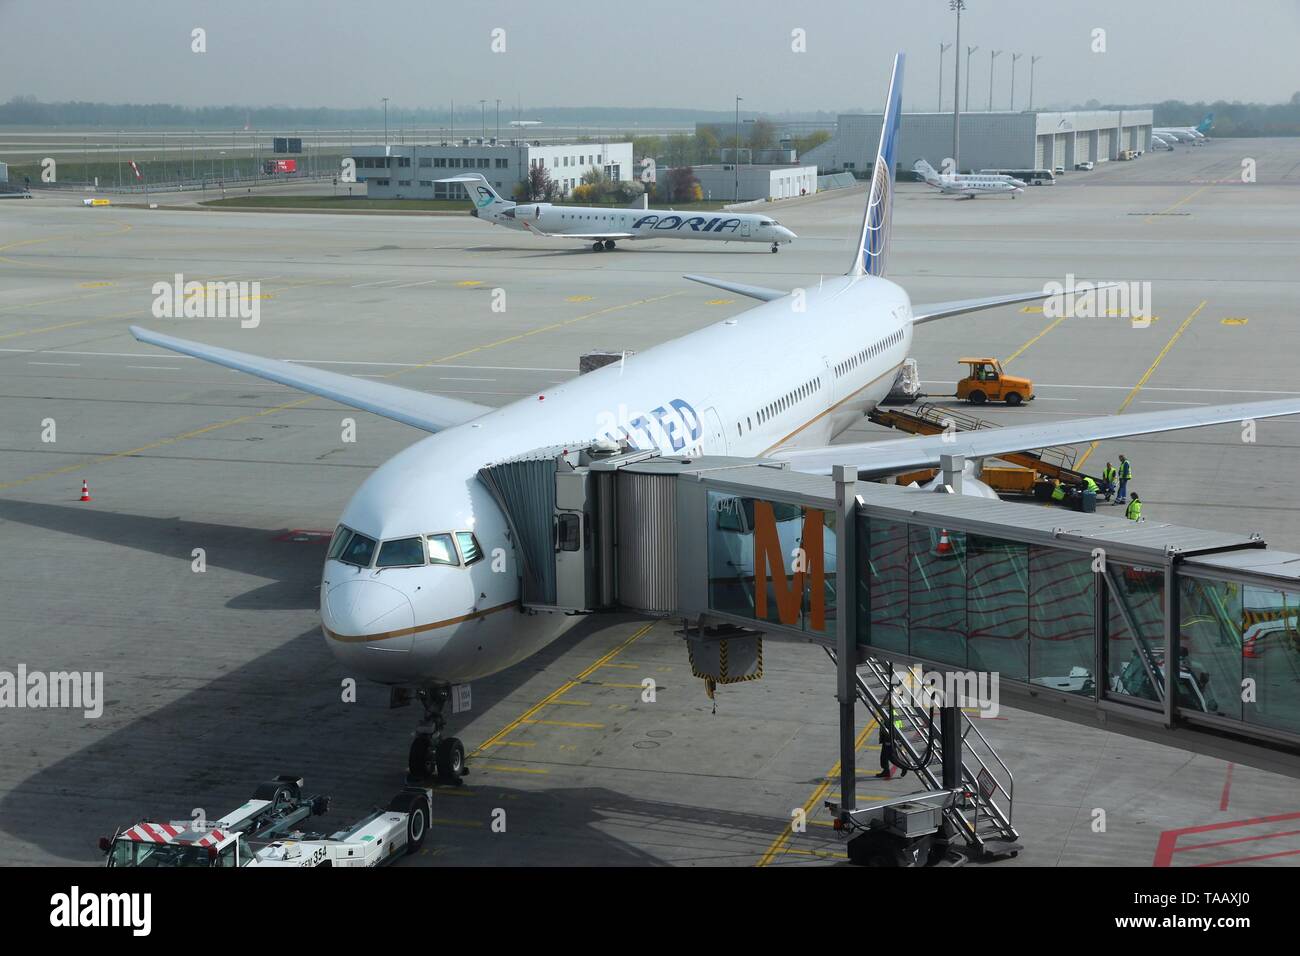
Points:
x=85 y=491
x=945 y=546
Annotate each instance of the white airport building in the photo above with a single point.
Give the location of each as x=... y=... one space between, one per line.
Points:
x=996 y=140
x=413 y=171
x=725 y=182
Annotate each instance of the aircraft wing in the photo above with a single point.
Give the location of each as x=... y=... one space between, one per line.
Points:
x=905 y=454
x=753 y=291
x=431 y=413
x=576 y=235
x=930 y=311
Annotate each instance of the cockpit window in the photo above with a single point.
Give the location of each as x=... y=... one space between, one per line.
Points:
x=359 y=550
x=401 y=553
x=469 y=546
x=441 y=550
x=341 y=535
x=768 y=222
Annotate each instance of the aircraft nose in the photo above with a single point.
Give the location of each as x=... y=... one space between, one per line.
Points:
x=787 y=234
x=370 y=612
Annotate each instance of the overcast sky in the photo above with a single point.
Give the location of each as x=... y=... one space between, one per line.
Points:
x=660 y=53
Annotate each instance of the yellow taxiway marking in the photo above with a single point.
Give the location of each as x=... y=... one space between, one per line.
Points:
x=781 y=843
x=94 y=285
x=513 y=743
x=564 y=723
x=1187 y=198
x=571 y=703
x=1020 y=351
x=502 y=768
x=610 y=683
x=1078 y=465
x=719 y=301
x=578 y=298
x=1032 y=310
x=1234 y=320
x=630 y=667
x=469 y=282
x=123 y=228
x=822 y=854
x=565 y=687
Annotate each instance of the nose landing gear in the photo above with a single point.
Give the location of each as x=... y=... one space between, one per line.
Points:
x=431 y=754
x=775 y=247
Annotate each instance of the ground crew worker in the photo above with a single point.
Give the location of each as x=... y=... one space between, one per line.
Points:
x=1108 y=476
x=1134 y=510
x=1125 y=476
x=1089 y=484
x=889 y=740
x=1058 y=490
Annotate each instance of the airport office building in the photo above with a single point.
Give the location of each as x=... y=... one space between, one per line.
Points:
x=412 y=172
x=998 y=140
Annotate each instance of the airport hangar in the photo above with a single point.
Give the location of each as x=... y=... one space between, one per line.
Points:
x=413 y=171
x=997 y=140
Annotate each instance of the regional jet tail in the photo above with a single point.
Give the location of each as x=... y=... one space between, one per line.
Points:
x=603 y=226
x=969 y=186
x=407 y=596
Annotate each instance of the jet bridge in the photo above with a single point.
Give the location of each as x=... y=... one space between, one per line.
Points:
x=927 y=601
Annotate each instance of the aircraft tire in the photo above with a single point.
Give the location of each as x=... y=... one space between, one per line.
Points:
x=420 y=759
x=450 y=760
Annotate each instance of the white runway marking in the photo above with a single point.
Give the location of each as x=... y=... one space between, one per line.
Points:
x=65 y=364
x=161 y=368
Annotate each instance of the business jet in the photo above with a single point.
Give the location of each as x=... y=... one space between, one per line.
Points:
x=969 y=186
x=409 y=595
x=602 y=226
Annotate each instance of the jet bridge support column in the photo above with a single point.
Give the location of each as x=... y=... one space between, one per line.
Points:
x=846 y=631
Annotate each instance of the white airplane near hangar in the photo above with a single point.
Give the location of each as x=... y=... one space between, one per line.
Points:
x=407 y=596
x=968 y=185
x=603 y=226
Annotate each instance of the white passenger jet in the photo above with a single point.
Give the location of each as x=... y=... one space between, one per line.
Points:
x=409 y=596
x=970 y=186
x=603 y=226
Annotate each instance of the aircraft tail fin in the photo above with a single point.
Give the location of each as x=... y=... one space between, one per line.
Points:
x=1206 y=124
x=479 y=190
x=925 y=170
x=873 y=240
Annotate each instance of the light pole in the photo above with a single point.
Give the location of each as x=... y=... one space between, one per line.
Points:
x=385 y=122
x=957 y=6
x=1032 y=61
x=482 y=108
x=993 y=55
x=735 y=156
x=1014 y=57
x=969 y=51
x=498 y=120
x=943 y=48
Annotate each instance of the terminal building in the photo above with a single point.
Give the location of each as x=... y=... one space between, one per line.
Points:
x=412 y=172
x=997 y=140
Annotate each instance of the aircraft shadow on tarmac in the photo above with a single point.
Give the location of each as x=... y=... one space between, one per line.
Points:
x=280 y=712
x=293 y=568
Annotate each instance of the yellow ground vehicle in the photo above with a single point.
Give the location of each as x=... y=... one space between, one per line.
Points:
x=988 y=383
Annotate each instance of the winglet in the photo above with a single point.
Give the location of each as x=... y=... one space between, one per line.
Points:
x=740 y=288
x=873 y=240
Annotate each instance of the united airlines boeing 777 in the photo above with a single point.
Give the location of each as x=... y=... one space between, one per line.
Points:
x=408 y=597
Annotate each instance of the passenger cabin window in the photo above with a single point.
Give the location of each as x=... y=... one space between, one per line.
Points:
x=359 y=551
x=441 y=550
x=401 y=553
x=469 y=548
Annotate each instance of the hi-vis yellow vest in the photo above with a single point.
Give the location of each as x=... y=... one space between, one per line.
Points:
x=1134 y=510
